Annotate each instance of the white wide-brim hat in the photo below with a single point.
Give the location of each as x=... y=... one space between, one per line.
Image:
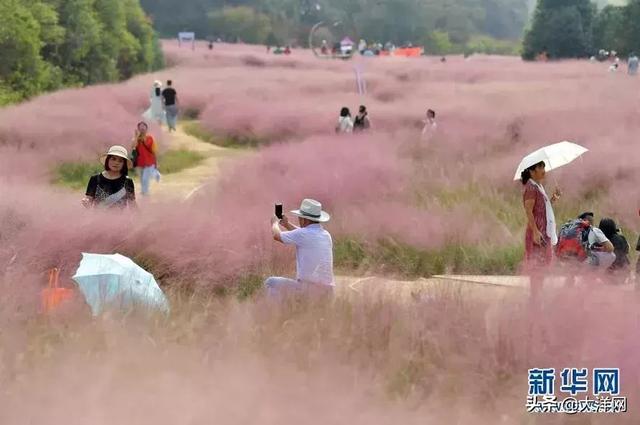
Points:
x=119 y=151
x=312 y=210
x=157 y=83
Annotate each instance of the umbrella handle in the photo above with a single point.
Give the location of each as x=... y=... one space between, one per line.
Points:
x=54 y=275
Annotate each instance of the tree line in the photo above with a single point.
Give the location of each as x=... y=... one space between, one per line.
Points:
x=49 y=44
x=441 y=25
x=578 y=29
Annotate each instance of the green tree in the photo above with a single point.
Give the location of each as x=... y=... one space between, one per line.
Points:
x=82 y=36
x=23 y=73
x=630 y=31
x=561 y=27
x=241 y=23
x=505 y=19
x=398 y=21
x=46 y=44
x=438 y=43
x=608 y=29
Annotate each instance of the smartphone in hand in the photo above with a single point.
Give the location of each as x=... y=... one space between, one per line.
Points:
x=279 y=211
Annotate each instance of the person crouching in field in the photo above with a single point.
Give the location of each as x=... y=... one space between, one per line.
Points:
x=345 y=124
x=621 y=266
x=362 y=121
x=314 y=251
x=112 y=188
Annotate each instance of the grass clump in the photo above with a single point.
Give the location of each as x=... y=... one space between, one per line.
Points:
x=75 y=175
x=195 y=129
x=411 y=262
x=175 y=161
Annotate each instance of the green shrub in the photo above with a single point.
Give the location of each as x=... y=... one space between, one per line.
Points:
x=390 y=256
x=195 y=129
x=75 y=175
x=190 y=113
x=178 y=160
x=491 y=46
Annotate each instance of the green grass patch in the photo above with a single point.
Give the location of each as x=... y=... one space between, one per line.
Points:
x=248 y=286
x=388 y=256
x=190 y=114
x=195 y=129
x=179 y=160
x=75 y=175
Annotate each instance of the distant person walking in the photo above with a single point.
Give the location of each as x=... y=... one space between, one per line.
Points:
x=156 y=110
x=170 y=100
x=112 y=188
x=145 y=157
x=314 y=251
x=362 y=122
x=345 y=124
x=632 y=64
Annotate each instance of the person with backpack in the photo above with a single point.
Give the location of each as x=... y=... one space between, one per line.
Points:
x=145 y=157
x=621 y=264
x=599 y=247
x=362 y=122
x=573 y=239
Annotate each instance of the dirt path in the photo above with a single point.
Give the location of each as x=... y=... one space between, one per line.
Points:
x=182 y=185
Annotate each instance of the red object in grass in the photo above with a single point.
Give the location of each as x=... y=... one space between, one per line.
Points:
x=53 y=296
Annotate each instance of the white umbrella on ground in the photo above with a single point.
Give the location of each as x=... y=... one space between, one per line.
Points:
x=116 y=281
x=554 y=156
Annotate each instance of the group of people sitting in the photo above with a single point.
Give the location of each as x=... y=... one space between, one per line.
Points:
x=348 y=125
x=362 y=122
x=602 y=246
x=579 y=246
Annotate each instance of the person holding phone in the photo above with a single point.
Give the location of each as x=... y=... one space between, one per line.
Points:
x=146 y=158
x=314 y=250
x=541 y=234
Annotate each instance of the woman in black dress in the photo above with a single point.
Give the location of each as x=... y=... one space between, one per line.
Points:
x=112 y=188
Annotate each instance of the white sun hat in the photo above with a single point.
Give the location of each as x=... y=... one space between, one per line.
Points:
x=119 y=151
x=312 y=210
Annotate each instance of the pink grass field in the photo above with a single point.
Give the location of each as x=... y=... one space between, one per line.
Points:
x=457 y=188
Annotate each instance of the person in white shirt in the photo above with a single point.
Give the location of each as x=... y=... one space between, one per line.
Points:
x=601 y=248
x=430 y=125
x=314 y=250
x=345 y=123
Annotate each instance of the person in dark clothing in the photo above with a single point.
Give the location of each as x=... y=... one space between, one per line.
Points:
x=362 y=122
x=170 y=102
x=621 y=265
x=112 y=188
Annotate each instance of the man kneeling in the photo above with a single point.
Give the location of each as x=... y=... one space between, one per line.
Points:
x=314 y=251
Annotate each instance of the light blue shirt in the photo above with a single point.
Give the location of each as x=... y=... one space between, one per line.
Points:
x=314 y=253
